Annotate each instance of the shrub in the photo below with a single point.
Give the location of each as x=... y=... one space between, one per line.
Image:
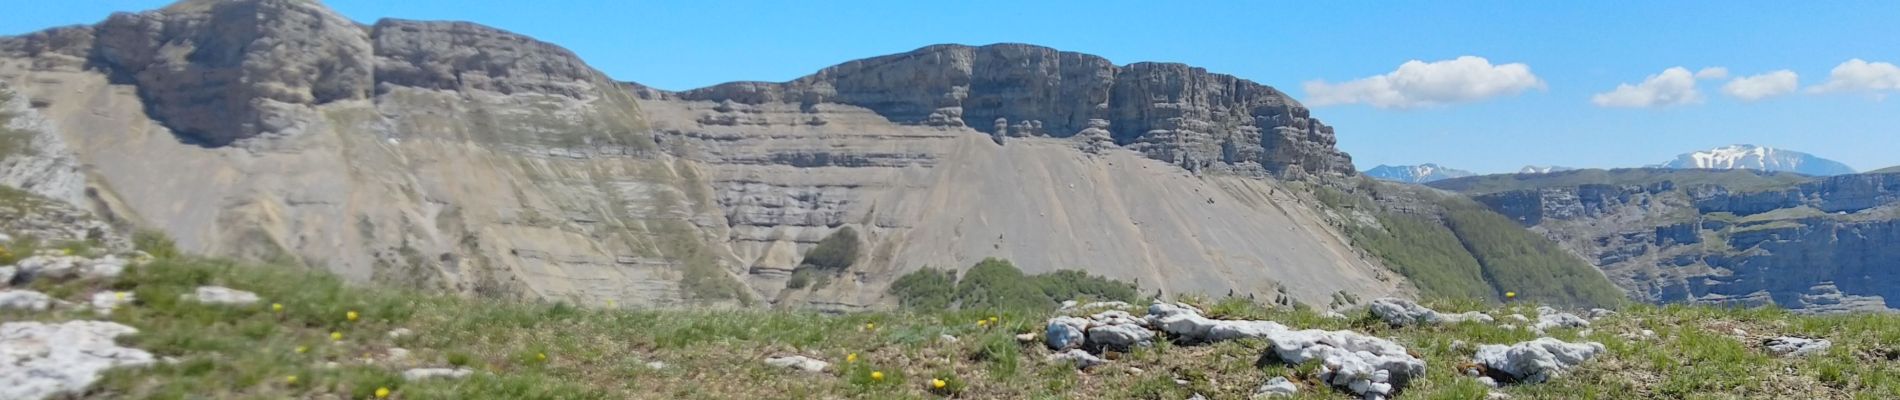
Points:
x=801 y=278
x=155 y=243
x=836 y=252
x=1073 y=284
x=995 y=283
x=927 y=289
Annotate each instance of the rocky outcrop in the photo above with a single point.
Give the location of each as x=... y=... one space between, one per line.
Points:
x=1401 y=312
x=1171 y=112
x=220 y=71
x=43 y=360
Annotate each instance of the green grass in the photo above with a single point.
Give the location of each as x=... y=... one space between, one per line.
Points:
x=1737 y=180
x=245 y=352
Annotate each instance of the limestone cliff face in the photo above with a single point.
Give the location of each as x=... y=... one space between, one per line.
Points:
x=1171 y=112
x=1825 y=245
x=456 y=156
x=438 y=155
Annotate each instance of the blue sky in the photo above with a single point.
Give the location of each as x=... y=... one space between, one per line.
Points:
x=1572 y=51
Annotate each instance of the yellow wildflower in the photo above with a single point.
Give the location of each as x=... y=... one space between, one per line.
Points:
x=851 y=358
x=937 y=384
x=350 y=316
x=382 y=392
x=993 y=320
x=291 y=380
x=277 y=307
x=336 y=336
x=983 y=322
x=541 y=356
x=870 y=326
x=303 y=349
x=1510 y=295
x=877 y=376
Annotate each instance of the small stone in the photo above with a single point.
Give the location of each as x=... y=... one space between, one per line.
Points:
x=1738 y=332
x=1487 y=381
x=1496 y=395
x=418 y=374
x=1279 y=386
x=397 y=354
x=1026 y=337
x=398 y=333
x=224 y=296
x=104 y=302
x=1063 y=333
x=947 y=338
x=656 y=365
x=801 y=363
x=1081 y=359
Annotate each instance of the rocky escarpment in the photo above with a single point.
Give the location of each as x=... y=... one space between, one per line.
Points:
x=1171 y=112
x=1822 y=245
x=452 y=155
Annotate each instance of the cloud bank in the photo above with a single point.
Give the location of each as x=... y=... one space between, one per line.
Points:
x=1422 y=84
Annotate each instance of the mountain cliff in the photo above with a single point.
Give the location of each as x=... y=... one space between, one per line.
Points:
x=456 y=156
x=1723 y=237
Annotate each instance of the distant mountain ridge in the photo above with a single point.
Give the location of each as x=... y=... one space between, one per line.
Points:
x=1748 y=156
x=1427 y=172
x=1543 y=169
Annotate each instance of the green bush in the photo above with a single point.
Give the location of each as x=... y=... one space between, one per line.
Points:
x=1073 y=284
x=155 y=243
x=997 y=284
x=927 y=289
x=836 y=252
x=801 y=278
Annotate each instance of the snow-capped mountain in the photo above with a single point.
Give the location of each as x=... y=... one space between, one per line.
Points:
x=1748 y=156
x=1542 y=169
x=1416 y=173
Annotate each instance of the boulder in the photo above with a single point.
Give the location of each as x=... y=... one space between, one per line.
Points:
x=25 y=300
x=800 y=363
x=6 y=275
x=1081 y=359
x=1065 y=333
x=1789 y=346
x=45 y=360
x=1534 y=361
x=224 y=296
x=1371 y=367
x=1120 y=336
x=1278 y=386
x=419 y=374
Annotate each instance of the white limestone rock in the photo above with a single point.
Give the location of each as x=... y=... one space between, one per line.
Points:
x=105 y=302
x=1535 y=361
x=25 y=300
x=420 y=374
x=1789 y=346
x=1063 y=333
x=1371 y=367
x=1186 y=323
x=1081 y=359
x=224 y=296
x=1279 y=386
x=800 y=363
x=1402 y=312
x=42 y=360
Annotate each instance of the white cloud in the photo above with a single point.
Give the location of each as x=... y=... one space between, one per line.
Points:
x=1858 y=75
x=1712 y=73
x=1421 y=84
x=1674 y=86
x=1752 y=88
